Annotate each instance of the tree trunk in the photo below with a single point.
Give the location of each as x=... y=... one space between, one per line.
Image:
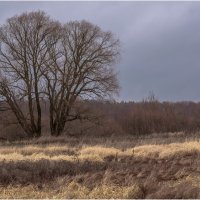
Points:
x=57 y=128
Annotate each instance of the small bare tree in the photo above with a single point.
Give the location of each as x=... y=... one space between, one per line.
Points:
x=80 y=66
x=23 y=52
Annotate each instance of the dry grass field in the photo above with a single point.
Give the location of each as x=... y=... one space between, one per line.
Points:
x=166 y=166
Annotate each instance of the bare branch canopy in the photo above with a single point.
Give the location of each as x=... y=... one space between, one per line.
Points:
x=61 y=63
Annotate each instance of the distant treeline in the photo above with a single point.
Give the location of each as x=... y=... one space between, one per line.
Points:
x=107 y=118
x=152 y=116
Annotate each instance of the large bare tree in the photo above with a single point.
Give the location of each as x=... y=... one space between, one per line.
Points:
x=40 y=58
x=23 y=52
x=80 y=66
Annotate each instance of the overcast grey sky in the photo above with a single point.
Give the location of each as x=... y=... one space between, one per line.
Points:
x=160 y=42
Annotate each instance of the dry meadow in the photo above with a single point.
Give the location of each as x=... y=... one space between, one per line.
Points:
x=158 y=166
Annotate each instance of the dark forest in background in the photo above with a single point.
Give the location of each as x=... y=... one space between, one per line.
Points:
x=107 y=118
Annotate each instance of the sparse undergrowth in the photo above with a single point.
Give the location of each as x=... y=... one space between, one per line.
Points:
x=100 y=168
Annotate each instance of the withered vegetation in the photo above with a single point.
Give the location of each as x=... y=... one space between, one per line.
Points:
x=118 y=167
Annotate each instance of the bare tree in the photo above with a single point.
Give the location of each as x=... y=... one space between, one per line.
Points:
x=39 y=58
x=80 y=66
x=23 y=51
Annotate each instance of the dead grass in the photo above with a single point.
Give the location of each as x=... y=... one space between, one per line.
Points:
x=71 y=191
x=101 y=168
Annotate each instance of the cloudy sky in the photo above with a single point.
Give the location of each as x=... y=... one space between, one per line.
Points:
x=160 y=42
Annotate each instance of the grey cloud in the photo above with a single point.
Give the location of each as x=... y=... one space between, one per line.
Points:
x=160 y=42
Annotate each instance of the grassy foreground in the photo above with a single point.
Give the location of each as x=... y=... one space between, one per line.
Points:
x=114 y=167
